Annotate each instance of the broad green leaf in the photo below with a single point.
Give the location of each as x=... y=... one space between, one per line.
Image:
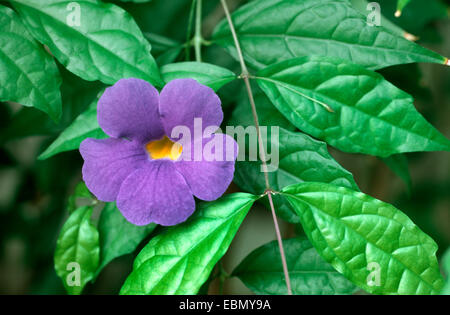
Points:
x=362 y=7
x=301 y=159
x=84 y=126
x=28 y=74
x=180 y=260
x=398 y=163
x=77 y=251
x=94 y=40
x=349 y=107
x=446 y=267
x=370 y=242
x=207 y=74
x=262 y=271
x=81 y=192
x=270 y=31
x=118 y=237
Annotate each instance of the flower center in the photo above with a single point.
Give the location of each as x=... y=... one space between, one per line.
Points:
x=164 y=149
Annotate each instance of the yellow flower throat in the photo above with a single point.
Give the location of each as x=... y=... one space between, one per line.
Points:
x=164 y=149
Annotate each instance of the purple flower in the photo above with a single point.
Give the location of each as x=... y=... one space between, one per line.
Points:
x=141 y=167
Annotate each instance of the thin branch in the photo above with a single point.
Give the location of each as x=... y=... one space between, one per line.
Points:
x=198 y=39
x=189 y=30
x=246 y=77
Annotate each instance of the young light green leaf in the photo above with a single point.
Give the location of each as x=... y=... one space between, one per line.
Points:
x=262 y=271
x=370 y=242
x=270 y=31
x=94 y=40
x=77 y=251
x=349 y=107
x=301 y=159
x=28 y=74
x=180 y=260
x=118 y=236
x=207 y=74
x=84 y=126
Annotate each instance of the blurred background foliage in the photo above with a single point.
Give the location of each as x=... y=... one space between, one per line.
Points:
x=34 y=193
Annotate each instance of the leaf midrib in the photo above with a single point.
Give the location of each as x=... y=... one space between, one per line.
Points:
x=20 y=70
x=196 y=245
x=292 y=88
x=83 y=35
x=362 y=236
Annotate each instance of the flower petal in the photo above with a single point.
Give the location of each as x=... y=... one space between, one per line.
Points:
x=208 y=179
x=108 y=162
x=156 y=193
x=182 y=100
x=130 y=109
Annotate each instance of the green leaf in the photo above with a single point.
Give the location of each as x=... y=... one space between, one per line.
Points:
x=446 y=267
x=398 y=163
x=362 y=7
x=81 y=192
x=349 y=107
x=180 y=260
x=77 y=251
x=105 y=45
x=301 y=159
x=84 y=126
x=270 y=31
x=118 y=237
x=262 y=271
x=207 y=74
x=28 y=74
x=370 y=242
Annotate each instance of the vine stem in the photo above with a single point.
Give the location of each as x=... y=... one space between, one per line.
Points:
x=198 y=39
x=189 y=30
x=246 y=77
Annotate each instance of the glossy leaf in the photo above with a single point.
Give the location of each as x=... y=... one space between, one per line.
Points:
x=370 y=242
x=28 y=74
x=118 y=237
x=262 y=271
x=94 y=40
x=84 y=126
x=270 y=31
x=363 y=7
x=301 y=159
x=180 y=260
x=207 y=74
x=77 y=251
x=349 y=107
